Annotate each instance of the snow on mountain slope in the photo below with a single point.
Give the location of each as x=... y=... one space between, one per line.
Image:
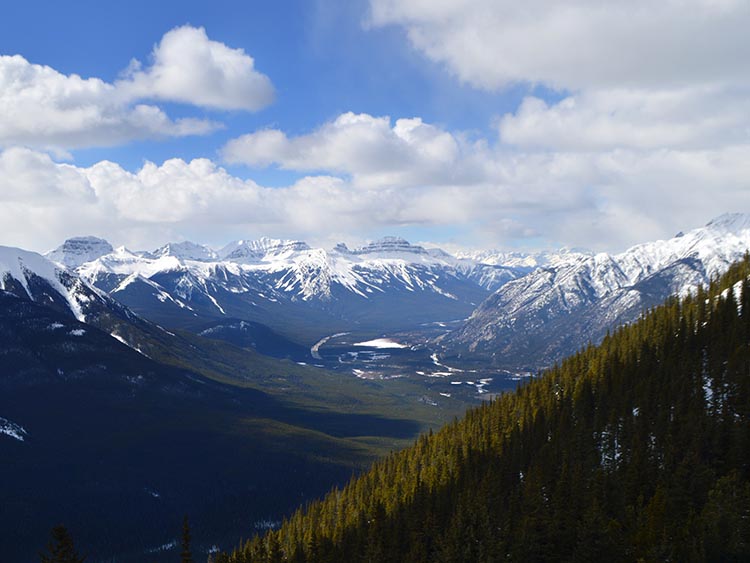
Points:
x=12 y=429
x=295 y=269
x=263 y=248
x=28 y=274
x=541 y=317
x=187 y=250
x=283 y=281
x=528 y=260
x=79 y=250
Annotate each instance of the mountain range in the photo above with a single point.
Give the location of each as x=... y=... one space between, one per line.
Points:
x=113 y=424
x=537 y=319
x=105 y=351
x=517 y=310
x=301 y=292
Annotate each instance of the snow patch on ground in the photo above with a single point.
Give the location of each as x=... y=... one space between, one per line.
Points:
x=123 y=341
x=164 y=547
x=12 y=429
x=381 y=343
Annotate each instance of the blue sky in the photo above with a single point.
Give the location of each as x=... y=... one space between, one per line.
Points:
x=526 y=128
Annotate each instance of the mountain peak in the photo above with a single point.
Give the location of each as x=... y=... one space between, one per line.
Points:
x=79 y=250
x=390 y=245
x=257 y=249
x=731 y=222
x=186 y=250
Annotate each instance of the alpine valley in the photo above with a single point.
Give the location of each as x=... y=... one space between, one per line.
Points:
x=236 y=384
x=520 y=311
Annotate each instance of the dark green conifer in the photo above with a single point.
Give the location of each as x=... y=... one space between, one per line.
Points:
x=61 y=548
x=186 y=555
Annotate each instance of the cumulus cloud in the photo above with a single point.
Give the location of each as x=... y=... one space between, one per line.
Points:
x=691 y=117
x=602 y=199
x=189 y=67
x=374 y=151
x=41 y=107
x=648 y=126
x=580 y=43
x=611 y=186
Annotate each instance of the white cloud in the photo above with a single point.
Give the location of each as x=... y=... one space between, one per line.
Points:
x=370 y=149
x=43 y=108
x=604 y=199
x=189 y=67
x=650 y=131
x=579 y=43
x=700 y=117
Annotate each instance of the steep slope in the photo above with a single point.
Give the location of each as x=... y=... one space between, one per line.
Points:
x=537 y=319
x=635 y=450
x=114 y=444
x=30 y=275
x=132 y=415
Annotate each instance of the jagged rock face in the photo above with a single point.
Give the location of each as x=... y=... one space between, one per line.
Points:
x=186 y=250
x=79 y=250
x=390 y=245
x=256 y=250
x=538 y=319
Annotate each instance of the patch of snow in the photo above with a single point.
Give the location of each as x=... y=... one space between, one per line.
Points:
x=164 y=547
x=381 y=343
x=152 y=493
x=77 y=332
x=12 y=429
x=123 y=341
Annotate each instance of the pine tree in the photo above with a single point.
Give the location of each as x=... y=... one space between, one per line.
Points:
x=186 y=555
x=61 y=548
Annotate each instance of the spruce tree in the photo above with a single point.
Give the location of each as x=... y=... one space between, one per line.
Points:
x=186 y=555
x=61 y=548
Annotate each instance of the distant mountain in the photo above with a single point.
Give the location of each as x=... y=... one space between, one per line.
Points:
x=78 y=250
x=530 y=260
x=186 y=250
x=301 y=292
x=29 y=275
x=539 y=318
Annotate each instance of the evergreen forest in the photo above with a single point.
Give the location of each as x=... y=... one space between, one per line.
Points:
x=634 y=450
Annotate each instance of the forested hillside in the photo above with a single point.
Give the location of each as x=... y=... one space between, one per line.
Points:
x=634 y=450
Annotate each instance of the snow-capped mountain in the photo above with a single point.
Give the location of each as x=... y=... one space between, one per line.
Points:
x=530 y=260
x=541 y=317
x=186 y=250
x=30 y=275
x=287 y=284
x=263 y=248
x=78 y=250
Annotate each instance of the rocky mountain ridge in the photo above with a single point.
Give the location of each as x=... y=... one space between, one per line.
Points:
x=539 y=318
